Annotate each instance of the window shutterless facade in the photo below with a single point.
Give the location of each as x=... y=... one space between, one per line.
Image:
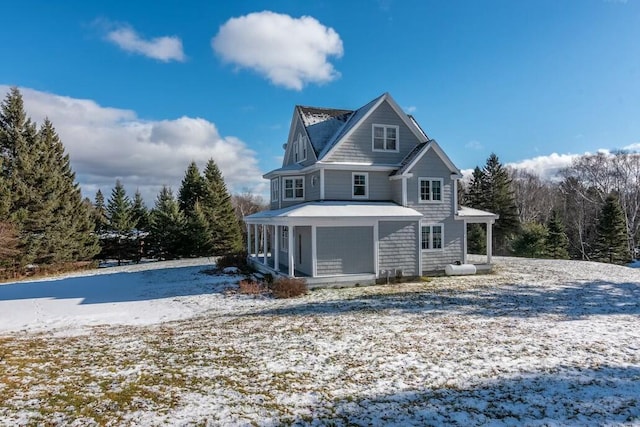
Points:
x=432 y=236
x=293 y=188
x=430 y=190
x=359 y=185
x=385 y=138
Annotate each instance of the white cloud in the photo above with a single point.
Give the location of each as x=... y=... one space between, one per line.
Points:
x=410 y=109
x=167 y=48
x=547 y=167
x=474 y=145
x=290 y=52
x=106 y=144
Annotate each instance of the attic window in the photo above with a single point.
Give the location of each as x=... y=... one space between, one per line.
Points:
x=300 y=149
x=385 y=138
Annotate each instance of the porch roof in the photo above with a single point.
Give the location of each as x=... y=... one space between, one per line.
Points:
x=475 y=215
x=334 y=210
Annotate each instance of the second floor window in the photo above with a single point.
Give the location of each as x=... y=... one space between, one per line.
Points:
x=430 y=190
x=385 y=138
x=275 y=194
x=293 y=188
x=359 y=188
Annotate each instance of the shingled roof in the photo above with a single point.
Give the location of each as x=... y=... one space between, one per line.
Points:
x=322 y=124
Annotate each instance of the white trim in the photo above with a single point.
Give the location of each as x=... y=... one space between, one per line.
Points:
x=430 y=180
x=397 y=177
x=369 y=167
x=321 y=184
x=464 y=244
x=385 y=128
x=420 y=261
x=256 y=241
x=314 y=251
x=264 y=244
x=404 y=192
x=455 y=196
x=293 y=188
x=376 y=249
x=276 y=246
x=366 y=185
x=430 y=248
x=292 y=255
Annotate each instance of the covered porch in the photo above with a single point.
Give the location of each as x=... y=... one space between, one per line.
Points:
x=476 y=216
x=324 y=242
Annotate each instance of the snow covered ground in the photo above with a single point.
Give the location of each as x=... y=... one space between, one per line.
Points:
x=537 y=343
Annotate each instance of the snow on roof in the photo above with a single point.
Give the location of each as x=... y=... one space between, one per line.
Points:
x=322 y=124
x=470 y=213
x=336 y=209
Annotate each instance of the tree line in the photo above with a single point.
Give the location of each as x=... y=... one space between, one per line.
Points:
x=589 y=211
x=45 y=221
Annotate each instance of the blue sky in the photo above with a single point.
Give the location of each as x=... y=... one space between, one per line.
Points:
x=138 y=89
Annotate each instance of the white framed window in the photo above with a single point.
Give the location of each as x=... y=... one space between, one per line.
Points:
x=430 y=190
x=293 y=188
x=284 y=238
x=359 y=185
x=300 y=149
x=385 y=138
x=432 y=237
x=275 y=190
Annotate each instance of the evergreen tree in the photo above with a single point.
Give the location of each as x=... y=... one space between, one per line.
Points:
x=140 y=212
x=192 y=189
x=498 y=198
x=476 y=239
x=100 y=213
x=167 y=226
x=120 y=211
x=556 y=242
x=198 y=239
x=474 y=194
x=611 y=243
x=530 y=242
x=224 y=226
x=119 y=242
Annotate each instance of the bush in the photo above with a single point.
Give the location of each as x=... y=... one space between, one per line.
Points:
x=235 y=259
x=251 y=287
x=287 y=287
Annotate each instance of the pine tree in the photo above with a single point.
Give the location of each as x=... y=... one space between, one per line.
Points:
x=140 y=212
x=167 y=226
x=530 y=242
x=198 y=239
x=476 y=239
x=611 y=243
x=499 y=199
x=474 y=194
x=192 y=189
x=119 y=242
x=100 y=213
x=556 y=242
x=224 y=226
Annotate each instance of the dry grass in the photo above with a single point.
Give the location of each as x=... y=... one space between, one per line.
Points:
x=287 y=287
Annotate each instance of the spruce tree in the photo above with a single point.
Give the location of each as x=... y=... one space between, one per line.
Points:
x=100 y=213
x=556 y=242
x=498 y=197
x=140 y=212
x=530 y=242
x=474 y=194
x=192 y=189
x=611 y=244
x=119 y=242
x=198 y=239
x=167 y=226
x=224 y=226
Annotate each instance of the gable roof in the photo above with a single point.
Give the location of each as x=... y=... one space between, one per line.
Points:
x=418 y=152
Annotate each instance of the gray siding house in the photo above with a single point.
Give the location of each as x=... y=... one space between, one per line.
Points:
x=362 y=195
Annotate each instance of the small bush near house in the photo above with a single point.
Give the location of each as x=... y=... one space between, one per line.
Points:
x=287 y=287
x=251 y=287
x=236 y=259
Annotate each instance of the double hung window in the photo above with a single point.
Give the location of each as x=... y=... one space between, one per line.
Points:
x=432 y=236
x=385 y=138
x=293 y=188
x=429 y=190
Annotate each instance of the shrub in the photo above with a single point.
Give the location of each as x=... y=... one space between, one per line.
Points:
x=251 y=287
x=235 y=259
x=287 y=287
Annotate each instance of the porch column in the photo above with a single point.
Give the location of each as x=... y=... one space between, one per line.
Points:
x=264 y=243
x=465 y=248
x=376 y=261
x=249 y=240
x=256 y=245
x=292 y=256
x=489 y=240
x=314 y=252
x=276 y=248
